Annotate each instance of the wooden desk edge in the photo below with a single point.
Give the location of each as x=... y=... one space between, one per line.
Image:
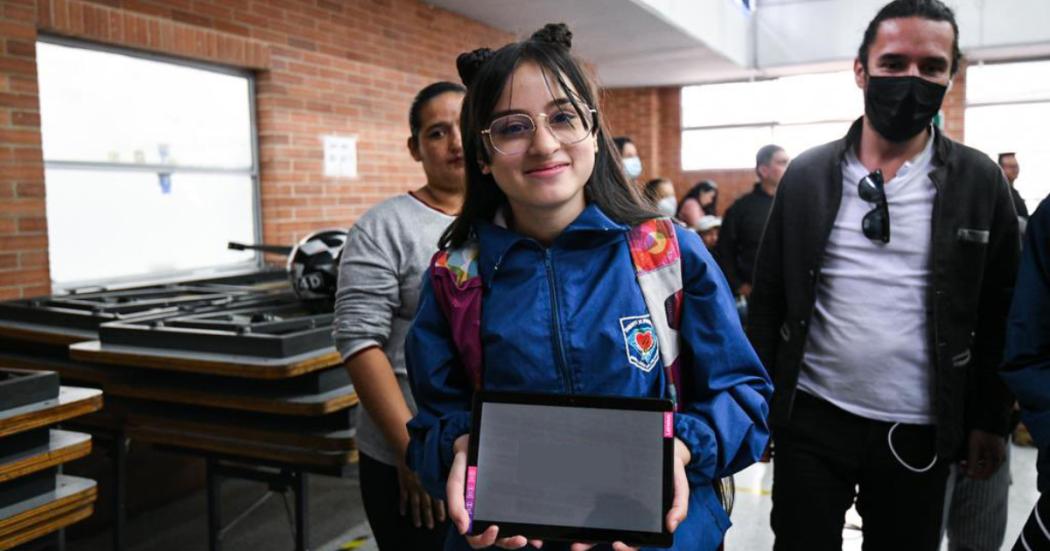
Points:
x=62 y=411
x=93 y=351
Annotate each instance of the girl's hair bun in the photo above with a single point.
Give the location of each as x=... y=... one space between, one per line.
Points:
x=469 y=63
x=555 y=33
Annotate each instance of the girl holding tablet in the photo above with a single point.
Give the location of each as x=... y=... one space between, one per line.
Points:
x=543 y=240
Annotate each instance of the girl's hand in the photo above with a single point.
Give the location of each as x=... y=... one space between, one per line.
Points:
x=457 y=511
x=679 y=506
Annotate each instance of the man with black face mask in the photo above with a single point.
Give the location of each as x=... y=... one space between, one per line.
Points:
x=879 y=304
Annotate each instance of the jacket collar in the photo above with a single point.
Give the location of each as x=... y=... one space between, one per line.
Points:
x=759 y=191
x=496 y=239
x=942 y=146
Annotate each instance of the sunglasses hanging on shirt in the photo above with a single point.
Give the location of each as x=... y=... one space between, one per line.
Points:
x=876 y=224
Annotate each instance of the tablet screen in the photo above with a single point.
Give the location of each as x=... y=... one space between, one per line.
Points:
x=578 y=467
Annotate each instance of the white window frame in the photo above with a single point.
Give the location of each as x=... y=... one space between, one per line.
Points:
x=257 y=261
x=970 y=103
x=771 y=125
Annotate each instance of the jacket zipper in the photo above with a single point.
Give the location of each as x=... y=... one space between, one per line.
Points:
x=563 y=364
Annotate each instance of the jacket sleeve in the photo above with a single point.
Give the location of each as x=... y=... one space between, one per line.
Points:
x=767 y=305
x=988 y=399
x=441 y=390
x=728 y=249
x=1026 y=368
x=724 y=392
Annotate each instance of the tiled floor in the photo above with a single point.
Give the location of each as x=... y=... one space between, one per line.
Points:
x=338 y=521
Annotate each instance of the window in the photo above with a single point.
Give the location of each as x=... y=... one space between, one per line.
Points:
x=724 y=125
x=150 y=166
x=1007 y=105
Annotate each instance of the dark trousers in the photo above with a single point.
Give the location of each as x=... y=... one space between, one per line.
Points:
x=824 y=455
x=380 y=492
x=1034 y=536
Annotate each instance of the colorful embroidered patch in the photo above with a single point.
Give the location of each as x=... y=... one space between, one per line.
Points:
x=653 y=244
x=462 y=263
x=639 y=338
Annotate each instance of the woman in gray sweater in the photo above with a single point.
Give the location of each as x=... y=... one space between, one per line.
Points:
x=386 y=254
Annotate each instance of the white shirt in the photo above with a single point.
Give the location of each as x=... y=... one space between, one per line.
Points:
x=868 y=348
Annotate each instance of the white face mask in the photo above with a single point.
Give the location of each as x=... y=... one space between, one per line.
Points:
x=667 y=206
x=632 y=166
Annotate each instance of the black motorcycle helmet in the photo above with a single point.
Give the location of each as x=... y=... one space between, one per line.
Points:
x=313 y=265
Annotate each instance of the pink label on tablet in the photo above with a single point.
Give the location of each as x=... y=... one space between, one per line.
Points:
x=668 y=424
x=472 y=481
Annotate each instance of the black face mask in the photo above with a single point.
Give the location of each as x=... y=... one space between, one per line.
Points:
x=901 y=107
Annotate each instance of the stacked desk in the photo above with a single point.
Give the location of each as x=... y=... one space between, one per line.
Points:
x=35 y=498
x=259 y=395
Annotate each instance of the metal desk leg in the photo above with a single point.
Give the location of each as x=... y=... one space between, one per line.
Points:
x=120 y=483
x=302 y=514
x=214 y=483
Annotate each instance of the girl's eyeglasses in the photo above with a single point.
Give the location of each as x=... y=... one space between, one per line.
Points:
x=512 y=134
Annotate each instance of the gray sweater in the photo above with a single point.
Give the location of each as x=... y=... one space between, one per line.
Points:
x=386 y=254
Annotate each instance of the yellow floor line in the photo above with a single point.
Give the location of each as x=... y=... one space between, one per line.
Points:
x=354 y=543
x=755 y=491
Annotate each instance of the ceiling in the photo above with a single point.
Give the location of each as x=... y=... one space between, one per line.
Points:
x=640 y=43
x=629 y=44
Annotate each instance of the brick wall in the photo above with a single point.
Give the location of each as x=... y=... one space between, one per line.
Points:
x=652 y=118
x=321 y=66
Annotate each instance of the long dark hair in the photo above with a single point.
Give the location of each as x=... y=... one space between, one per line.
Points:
x=486 y=74
x=701 y=187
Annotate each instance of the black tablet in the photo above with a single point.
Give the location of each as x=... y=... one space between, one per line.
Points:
x=571 y=468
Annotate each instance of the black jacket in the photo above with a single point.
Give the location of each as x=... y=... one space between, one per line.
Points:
x=973 y=263
x=1019 y=206
x=741 y=232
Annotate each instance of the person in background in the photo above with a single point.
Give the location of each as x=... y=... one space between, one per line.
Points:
x=698 y=202
x=746 y=218
x=632 y=163
x=387 y=252
x=708 y=228
x=660 y=192
x=879 y=306
x=1026 y=368
x=1012 y=169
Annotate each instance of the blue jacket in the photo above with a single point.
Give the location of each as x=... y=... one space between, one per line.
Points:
x=1027 y=366
x=551 y=321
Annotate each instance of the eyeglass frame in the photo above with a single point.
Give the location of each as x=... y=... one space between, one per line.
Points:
x=881 y=207
x=546 y=122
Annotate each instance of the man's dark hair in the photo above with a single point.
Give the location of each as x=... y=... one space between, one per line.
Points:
x=1005 y=155
x=765 y=155
x=934 y=10
x=415 y=113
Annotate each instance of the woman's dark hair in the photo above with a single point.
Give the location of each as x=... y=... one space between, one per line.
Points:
x=694 y=193
x=934 y=10
x=651 y=187
x=486 y=74
x=621 y=142
x=415 y=113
